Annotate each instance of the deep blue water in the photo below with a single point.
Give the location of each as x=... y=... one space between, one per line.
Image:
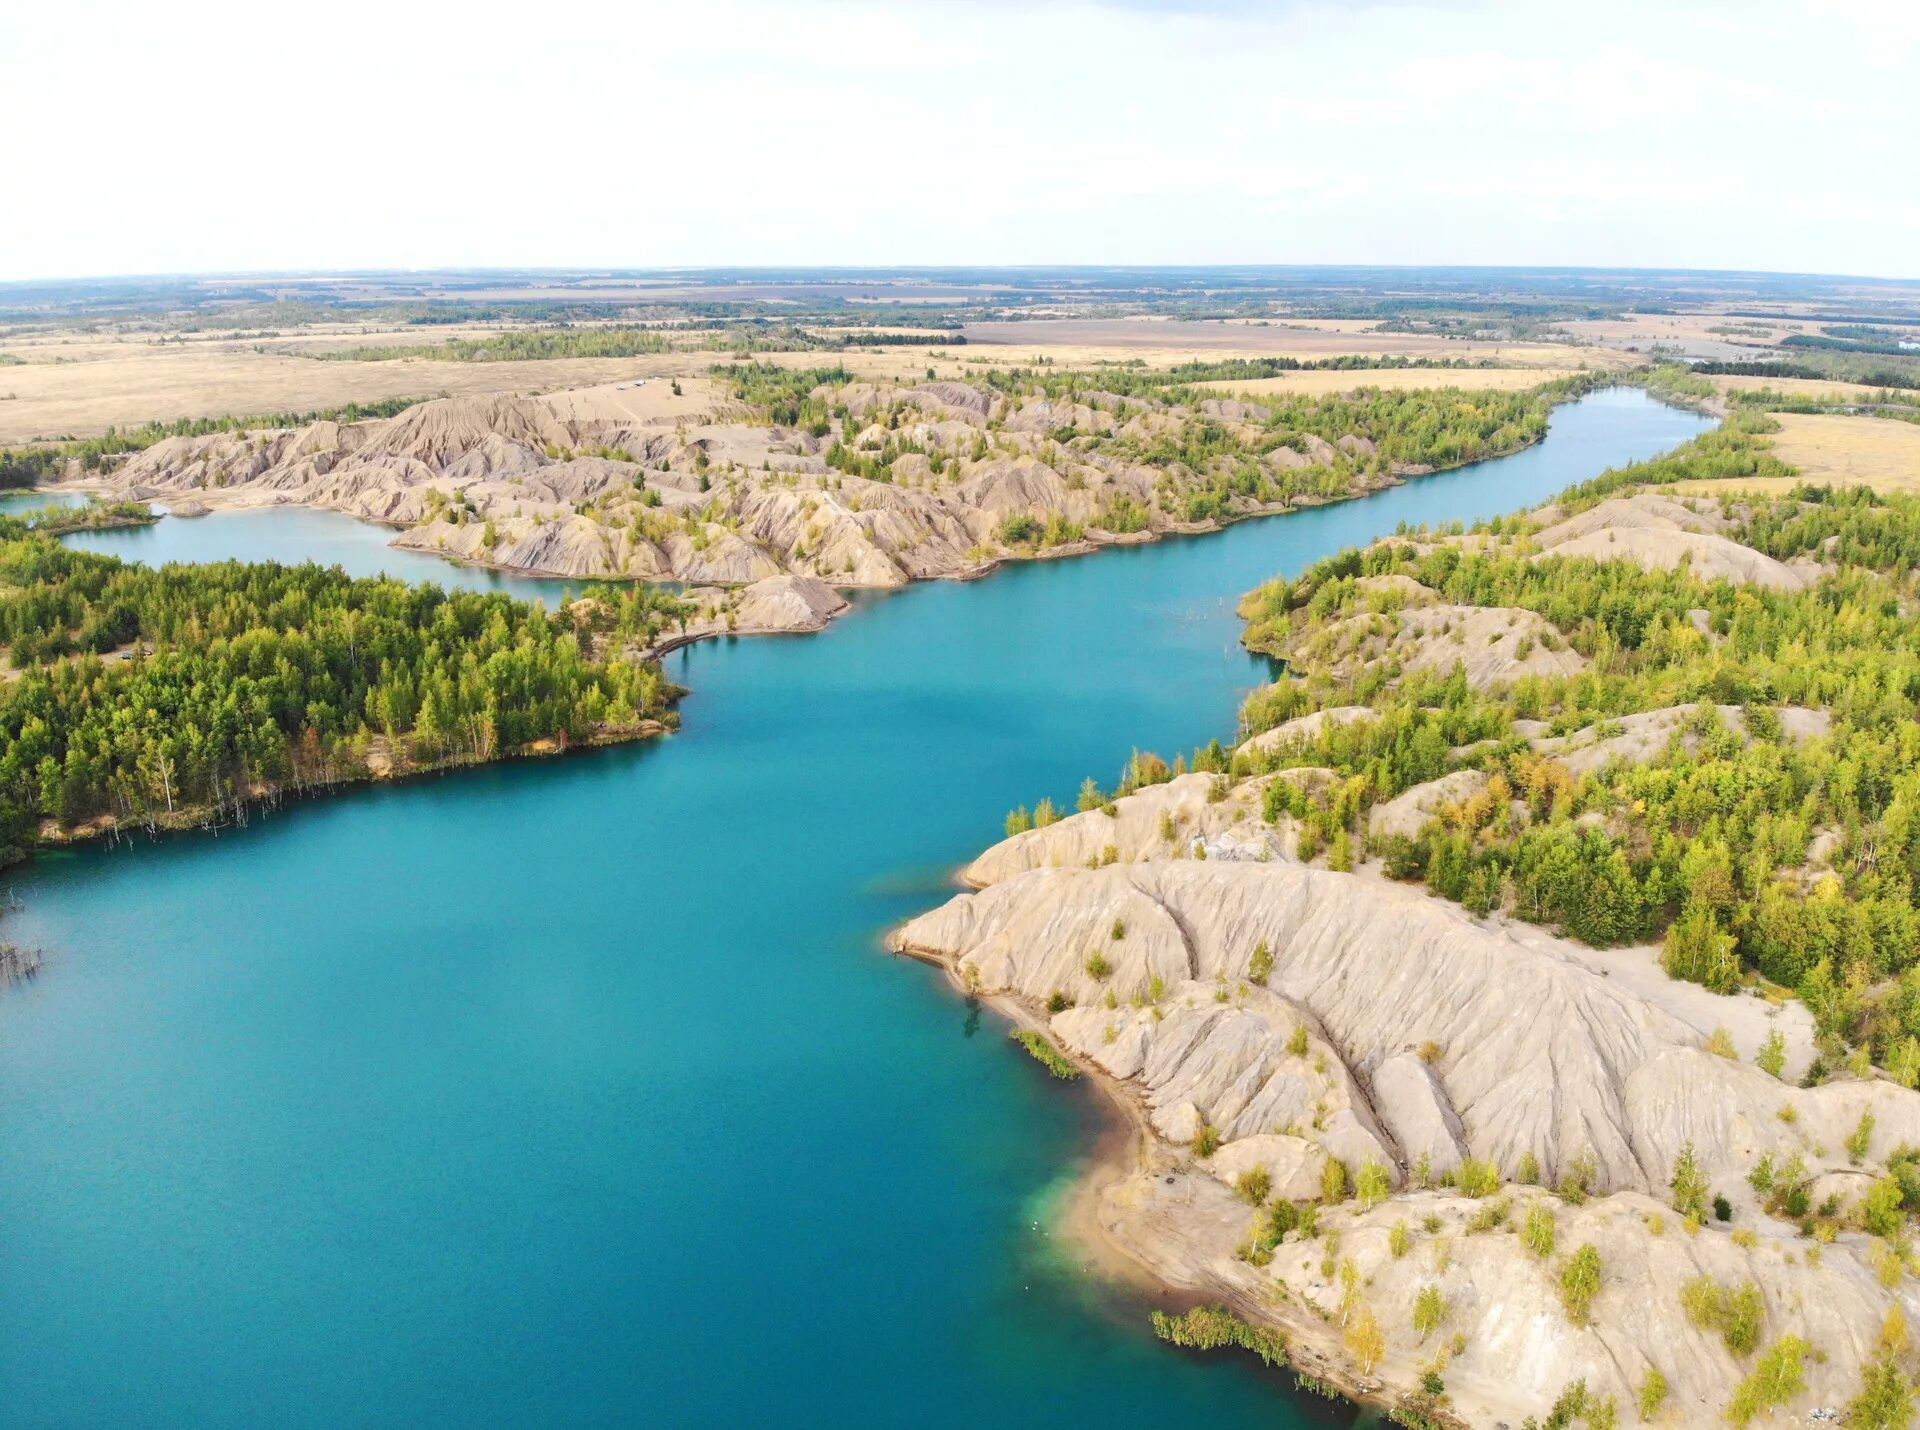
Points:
x=578 y=1092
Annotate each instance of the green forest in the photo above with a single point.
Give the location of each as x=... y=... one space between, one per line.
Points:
x=1705 y=848
x=172 y=696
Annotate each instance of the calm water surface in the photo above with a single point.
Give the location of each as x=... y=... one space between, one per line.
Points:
x=12 y=503
x=299 y=534
x=578 y=1092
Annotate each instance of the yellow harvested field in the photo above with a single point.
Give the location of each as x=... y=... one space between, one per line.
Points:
x=1820 y=389
x=1087 y=342
x=1877 y=452
x=1685 y=327
x=126 y=384
x=83 y=399
x=78 y=384
x=1852 y=449
x=1402 y=379
x=1312 y=325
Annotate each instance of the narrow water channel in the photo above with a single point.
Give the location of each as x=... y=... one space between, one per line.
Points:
x=578 y=1092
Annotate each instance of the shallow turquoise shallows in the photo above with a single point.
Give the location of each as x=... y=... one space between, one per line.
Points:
x=579 y=1092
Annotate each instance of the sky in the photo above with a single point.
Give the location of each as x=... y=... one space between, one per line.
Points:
x=213 y=136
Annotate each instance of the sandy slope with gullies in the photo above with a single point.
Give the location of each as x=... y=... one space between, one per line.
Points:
x=1430 y=1037
x=621 y=481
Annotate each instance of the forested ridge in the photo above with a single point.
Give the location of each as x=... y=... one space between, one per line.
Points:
x=176 y=695
x=1758 y=859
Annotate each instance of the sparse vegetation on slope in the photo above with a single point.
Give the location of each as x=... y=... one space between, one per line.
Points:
x=812 y=473
x=1629 y=718
x=1792 y=735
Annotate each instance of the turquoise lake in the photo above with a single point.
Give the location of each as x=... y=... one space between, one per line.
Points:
x=579 y=1092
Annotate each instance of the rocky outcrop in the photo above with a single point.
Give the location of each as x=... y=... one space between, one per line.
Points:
x=778 y=605
x=1589 y=1072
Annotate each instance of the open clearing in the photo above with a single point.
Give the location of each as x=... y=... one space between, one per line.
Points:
x=1851 y=449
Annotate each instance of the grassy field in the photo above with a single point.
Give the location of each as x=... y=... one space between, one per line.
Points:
x=1681 y=328
x=81 y=388
x=1083 y=342
x=1851 y=449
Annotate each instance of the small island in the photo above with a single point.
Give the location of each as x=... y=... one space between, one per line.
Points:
x=95 y=515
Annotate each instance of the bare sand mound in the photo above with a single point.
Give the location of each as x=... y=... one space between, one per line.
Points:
x=1660 y=533
x=1408 y=812
x=1493 y=645
x=631 y=480
x=1637 y=739
x=1305 y=728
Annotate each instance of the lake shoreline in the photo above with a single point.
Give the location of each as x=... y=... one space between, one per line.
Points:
x=1126 y=1149
x=202 y=818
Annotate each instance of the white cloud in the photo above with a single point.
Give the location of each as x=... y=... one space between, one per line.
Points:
x=211 y=134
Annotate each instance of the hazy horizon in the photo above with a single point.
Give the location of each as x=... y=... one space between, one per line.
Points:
x=774 y=271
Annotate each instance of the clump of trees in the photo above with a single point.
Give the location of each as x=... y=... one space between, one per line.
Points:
x=1210 y=1327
